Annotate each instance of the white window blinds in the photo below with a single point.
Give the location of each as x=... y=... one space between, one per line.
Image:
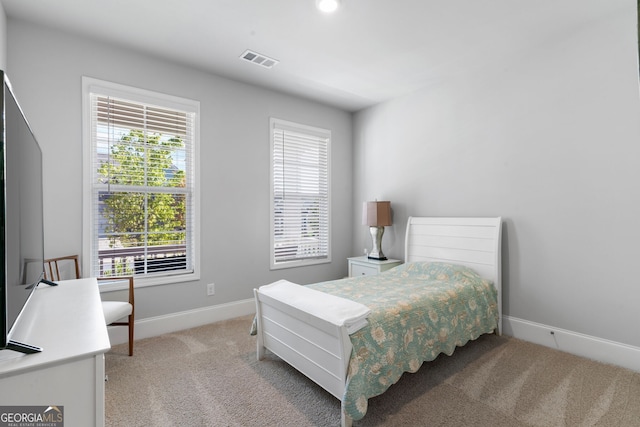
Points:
x=300 y=194
x=142 y=187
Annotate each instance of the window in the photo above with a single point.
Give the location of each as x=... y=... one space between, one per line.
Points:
x=300 y=199
x=141 y=206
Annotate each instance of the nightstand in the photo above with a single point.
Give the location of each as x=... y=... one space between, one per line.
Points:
x=363 y=266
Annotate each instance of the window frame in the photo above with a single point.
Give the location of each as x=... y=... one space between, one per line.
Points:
x=275 y=123
x=142 y=96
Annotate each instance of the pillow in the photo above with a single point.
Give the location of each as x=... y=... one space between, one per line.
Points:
x=436 y=270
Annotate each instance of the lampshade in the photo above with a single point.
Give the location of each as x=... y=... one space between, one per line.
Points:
x=376 y=214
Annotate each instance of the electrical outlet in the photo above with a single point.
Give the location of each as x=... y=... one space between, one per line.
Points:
x=211 y=289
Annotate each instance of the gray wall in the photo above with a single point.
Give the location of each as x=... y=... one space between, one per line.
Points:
x=46 y=68
x=550 y=140
x=3 y=39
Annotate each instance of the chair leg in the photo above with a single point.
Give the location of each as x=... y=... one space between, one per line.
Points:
x=131 y=323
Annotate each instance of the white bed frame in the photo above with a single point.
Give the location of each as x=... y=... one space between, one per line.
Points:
x=321 y=350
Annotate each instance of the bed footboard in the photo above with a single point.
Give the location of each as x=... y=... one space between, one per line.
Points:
x=312 y=345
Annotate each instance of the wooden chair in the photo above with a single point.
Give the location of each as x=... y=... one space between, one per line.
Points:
x=68 y=267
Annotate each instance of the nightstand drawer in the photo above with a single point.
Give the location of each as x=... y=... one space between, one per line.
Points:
x=363 y=266
x=363 y=270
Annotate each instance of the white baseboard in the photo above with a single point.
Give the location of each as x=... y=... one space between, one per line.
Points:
x=154 y=326
x=594 y=348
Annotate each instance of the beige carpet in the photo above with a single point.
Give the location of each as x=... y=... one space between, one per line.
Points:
x=209 y=376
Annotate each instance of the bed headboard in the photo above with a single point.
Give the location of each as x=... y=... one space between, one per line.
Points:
x=474 y=242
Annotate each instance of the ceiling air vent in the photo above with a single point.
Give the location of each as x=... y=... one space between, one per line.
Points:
x=259 y=59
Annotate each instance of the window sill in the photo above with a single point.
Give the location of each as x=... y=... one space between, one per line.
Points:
x=299 y=263
x=118 y=285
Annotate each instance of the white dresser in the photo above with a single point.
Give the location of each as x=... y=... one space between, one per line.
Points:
x=67 y=322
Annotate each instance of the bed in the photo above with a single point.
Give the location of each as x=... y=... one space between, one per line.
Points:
x=355 y=337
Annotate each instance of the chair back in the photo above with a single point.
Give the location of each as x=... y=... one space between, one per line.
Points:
x=62 y=268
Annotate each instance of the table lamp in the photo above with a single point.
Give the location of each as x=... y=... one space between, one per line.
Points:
x=376 y=215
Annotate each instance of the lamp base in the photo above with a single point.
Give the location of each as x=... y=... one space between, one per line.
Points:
x=376 y=237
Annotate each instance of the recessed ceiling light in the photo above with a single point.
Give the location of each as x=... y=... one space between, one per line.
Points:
x=327 y=6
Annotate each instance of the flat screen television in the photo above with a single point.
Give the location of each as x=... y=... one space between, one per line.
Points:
x=21 y=217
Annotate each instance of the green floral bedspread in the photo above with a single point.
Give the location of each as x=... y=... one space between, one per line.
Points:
x=419 y=310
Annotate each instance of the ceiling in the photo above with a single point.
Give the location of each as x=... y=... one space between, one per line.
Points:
x=367 y=52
